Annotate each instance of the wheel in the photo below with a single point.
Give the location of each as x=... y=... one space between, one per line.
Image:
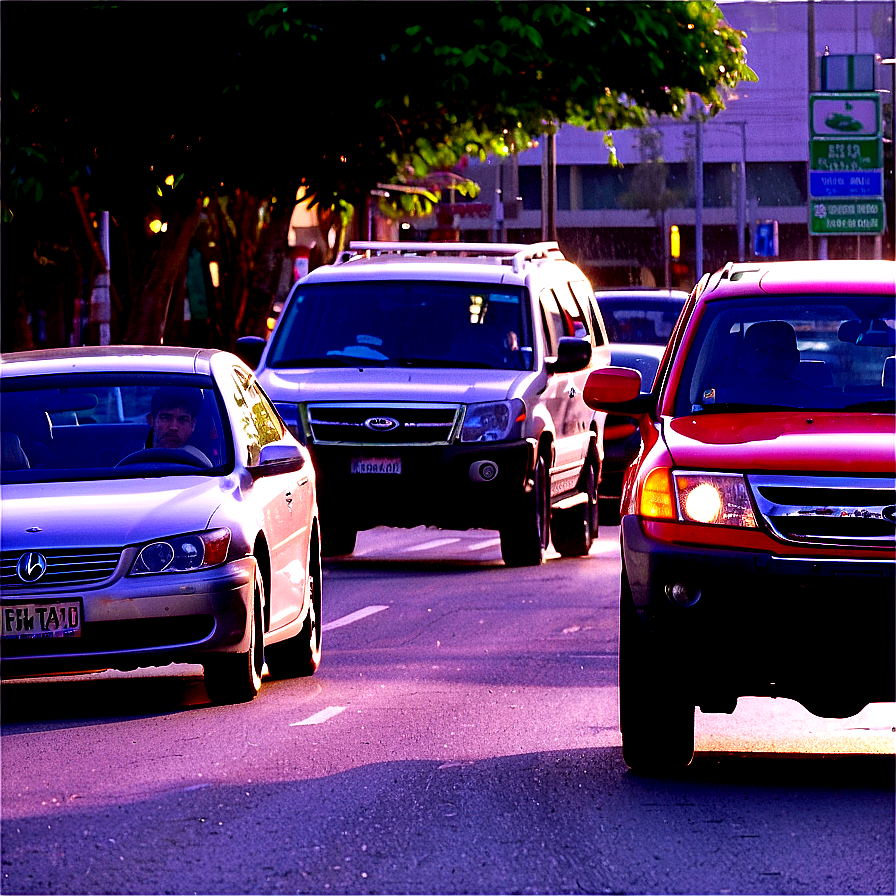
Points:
x=656 y=719
x=337 y=539
x=300 y=655
x=610 y=511
x=236 y=677
x=525 y=537
x=574 y=529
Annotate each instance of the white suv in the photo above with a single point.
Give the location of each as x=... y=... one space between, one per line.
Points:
x=440 y=384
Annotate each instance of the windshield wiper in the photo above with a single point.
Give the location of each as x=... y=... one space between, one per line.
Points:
x=882 y=404
x=436 y=362
x=329 y=361
x=724 y=407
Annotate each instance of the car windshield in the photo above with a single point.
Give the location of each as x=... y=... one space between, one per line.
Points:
x=407 y=323
x=109 y=426
x=648 y=321
x=810 y=353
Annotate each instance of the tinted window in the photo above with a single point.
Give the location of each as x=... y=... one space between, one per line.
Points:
x=81 y=426
x=812 y=353
x=404 y=324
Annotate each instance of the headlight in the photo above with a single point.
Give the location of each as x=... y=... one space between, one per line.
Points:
x=717 y=498
x=183 y=553
x=493 y=422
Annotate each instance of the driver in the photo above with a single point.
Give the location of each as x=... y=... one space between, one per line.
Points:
x=172 y=417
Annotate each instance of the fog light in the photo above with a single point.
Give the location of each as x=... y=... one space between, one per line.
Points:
x=683 y=595
x=483 y=471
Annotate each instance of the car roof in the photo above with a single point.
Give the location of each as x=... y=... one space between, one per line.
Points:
x=640 y=293
x=823 y=276
x=99 y=358
x=484 y=262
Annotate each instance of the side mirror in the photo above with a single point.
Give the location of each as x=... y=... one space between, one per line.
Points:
x=249 y=349
x=573 y=354
x=617 y=389
x=278 y=458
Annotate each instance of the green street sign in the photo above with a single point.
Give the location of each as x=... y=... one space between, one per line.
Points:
x=833 y=217
x=844 y=114
x=845 y=154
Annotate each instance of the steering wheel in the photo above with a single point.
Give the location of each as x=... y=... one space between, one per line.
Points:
x=189 y=457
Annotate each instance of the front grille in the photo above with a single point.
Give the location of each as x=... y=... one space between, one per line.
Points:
x=828 y=510
x=72 y=567
x=382 y=423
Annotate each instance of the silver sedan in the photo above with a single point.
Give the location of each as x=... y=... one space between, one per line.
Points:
x=155 y=510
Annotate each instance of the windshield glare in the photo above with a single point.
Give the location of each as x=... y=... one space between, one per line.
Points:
x=404 y=324
x=78 y=427
x=834 y=353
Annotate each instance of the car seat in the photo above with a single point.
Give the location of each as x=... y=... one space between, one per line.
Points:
x=13 y=457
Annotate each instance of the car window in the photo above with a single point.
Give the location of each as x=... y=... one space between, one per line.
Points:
x=557 y=323
x=109 y=425
x=573 y=312
x=259 y=422
x=813 y=353
x=585 y=298
x=404 y=323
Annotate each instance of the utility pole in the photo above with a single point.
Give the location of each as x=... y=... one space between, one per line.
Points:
x=549 y=188
x=698 y=198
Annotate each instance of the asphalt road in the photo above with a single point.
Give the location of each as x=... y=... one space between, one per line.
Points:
x=460 y=737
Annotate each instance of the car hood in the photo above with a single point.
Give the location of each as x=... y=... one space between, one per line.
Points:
x=106 y=513
x=454 y=385
x=823 y=442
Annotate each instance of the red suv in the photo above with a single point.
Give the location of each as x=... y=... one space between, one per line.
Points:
x=758 y=518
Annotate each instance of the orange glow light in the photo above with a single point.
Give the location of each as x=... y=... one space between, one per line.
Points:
x=656 y=495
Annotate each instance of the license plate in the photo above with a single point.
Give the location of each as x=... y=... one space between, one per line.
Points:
x=44 y=619
x=388 y=465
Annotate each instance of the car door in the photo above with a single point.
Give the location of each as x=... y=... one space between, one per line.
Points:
x=284 y=501
x=563 y=399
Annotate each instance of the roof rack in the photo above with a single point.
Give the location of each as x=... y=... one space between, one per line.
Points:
x=516 y=253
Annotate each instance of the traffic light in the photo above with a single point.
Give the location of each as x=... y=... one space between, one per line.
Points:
x=674 y=241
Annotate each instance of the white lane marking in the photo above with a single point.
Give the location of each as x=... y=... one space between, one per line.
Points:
x=319 y=717
x=439 y=542
x=352 y=617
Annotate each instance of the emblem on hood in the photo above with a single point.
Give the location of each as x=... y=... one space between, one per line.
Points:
x=381 y=424
x=889 y=513
x=31 y=566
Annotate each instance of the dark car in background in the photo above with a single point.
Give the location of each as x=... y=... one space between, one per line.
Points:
x=639 y=321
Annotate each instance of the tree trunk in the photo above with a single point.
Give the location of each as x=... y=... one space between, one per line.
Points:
x=149 y=315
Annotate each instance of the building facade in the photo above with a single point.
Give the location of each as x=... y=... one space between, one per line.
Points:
x=616 y=221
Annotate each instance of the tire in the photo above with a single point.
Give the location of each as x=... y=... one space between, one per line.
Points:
x=610 y=511
x=525 y=537
x=574 y=529
x=656 y=719
x=337 y=540
x=299 y=656
x=236 y=677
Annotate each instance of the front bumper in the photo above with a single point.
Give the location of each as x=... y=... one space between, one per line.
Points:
x=141 y=621
x=818 y=629
x=434 y=488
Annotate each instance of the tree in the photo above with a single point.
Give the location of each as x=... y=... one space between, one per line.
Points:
x=174 y=113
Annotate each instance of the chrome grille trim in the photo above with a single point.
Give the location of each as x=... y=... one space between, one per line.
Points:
x=66 y=567
x=827 y=510
x=419 y=423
